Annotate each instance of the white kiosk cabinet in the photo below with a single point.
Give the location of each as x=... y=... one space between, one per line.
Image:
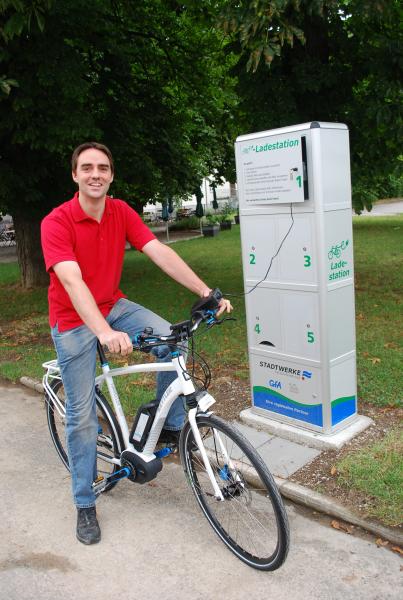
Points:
x=295 y=205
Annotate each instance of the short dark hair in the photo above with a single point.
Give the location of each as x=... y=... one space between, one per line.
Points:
x=87 y=146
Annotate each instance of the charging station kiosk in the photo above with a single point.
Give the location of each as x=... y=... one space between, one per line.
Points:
x=297 y=250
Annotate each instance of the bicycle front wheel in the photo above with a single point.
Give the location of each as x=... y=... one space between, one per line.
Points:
x=251 y=519
x=108 y=443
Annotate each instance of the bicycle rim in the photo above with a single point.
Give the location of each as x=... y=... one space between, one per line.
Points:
x=107 y=441
x=251 y=520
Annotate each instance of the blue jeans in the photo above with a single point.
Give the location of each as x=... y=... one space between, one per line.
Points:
x=76 y=354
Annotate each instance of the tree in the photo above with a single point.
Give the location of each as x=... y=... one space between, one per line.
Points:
x=146 y=79
x=324 y=60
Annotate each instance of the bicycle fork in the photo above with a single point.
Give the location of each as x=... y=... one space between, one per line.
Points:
x=229 y=464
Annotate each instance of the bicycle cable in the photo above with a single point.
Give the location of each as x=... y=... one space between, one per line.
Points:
x=231 y=295
x=201 y=361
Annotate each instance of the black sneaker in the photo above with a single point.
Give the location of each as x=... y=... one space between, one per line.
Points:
x=88 y=531
x=169 y=437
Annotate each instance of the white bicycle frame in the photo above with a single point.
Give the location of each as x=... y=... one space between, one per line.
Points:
x=182 y=385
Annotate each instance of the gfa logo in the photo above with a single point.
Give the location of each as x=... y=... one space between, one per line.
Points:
x=275 y=384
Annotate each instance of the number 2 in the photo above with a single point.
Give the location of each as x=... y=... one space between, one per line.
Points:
x=252 y=259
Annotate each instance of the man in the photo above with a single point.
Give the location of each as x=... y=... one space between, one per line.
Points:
x=83 y=242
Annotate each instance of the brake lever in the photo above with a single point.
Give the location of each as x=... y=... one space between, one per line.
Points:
x=221 y=321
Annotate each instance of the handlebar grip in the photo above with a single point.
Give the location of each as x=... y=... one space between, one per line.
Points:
x=211 y=302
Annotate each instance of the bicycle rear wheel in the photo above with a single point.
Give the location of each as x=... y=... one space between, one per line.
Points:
x=251 y=520
x=108 y=443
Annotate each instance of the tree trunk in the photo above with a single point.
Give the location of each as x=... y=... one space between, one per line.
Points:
x=29 y=252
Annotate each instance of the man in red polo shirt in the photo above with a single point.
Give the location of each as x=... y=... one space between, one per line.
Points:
x=83 y=243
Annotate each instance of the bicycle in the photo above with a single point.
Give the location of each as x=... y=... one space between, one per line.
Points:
x=231 y=483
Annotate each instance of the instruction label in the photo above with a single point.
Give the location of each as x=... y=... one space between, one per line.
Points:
x=272 y=170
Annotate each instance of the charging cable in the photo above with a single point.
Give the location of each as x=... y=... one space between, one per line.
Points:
x=271 y=261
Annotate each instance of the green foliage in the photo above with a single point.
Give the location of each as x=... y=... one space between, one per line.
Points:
x=264 y=28
x=147 y=79
x=183 y=224
x=212 y=218
x=6 y=84
x=18 y=16
x=329 y=60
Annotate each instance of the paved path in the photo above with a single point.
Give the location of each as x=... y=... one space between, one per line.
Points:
x=156 y=543
x=378 y=210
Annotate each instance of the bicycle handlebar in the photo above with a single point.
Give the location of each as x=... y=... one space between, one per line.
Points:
x=203 y=310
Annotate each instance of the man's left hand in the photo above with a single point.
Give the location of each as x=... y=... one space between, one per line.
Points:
x=224 y=306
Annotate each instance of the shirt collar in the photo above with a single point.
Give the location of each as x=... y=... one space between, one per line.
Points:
x=80 y=215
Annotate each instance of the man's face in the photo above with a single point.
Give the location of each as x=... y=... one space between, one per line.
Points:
x=93 y=174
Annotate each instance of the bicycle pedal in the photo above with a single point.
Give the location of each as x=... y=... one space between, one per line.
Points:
x=99 y=484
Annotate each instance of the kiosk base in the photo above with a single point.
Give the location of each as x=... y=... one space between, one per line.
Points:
x=321 y=441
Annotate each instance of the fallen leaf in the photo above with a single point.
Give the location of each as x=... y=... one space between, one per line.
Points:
x=380 y=542
x=360 y=317
x=375 y=360
x=397 y=549
x=342 y=526
x=333 y=470
x=365 y=354
x=390 y=345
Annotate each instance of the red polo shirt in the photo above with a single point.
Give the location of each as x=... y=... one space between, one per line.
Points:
x=68 y=233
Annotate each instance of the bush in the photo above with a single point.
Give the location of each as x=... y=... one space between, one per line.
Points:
x=183 y=224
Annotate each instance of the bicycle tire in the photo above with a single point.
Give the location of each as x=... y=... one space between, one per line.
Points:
x=253 y=503
x=109 y=438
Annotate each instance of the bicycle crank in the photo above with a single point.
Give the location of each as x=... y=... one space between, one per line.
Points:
x=101 y=482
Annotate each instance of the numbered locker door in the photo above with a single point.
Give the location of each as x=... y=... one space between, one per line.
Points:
x=284 y=321
x=295 y=262
x=300 y=318
x=264 y=319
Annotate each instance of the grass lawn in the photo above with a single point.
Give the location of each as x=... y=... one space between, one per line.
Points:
x=378 y=472
x=378 y=256
x=378 y=247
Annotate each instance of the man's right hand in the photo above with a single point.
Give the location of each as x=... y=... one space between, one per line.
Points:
x=117 y=342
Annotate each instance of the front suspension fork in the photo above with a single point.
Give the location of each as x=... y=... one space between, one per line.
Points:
x=196 y=433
